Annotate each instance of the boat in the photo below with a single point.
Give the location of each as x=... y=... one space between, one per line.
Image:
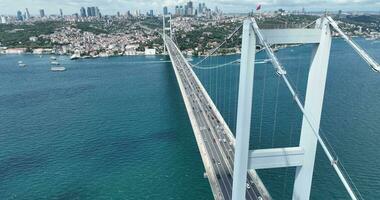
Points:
x=21 y=64
x=75 y=56
x=53 y=58
x=57 y=69
x=55 y=63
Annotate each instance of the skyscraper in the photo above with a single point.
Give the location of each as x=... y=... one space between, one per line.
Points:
x=96 y=12
x=177 y=10
x=151 y=13
x=19 y=16
x=27 y=14
x=89 y=12
x=166 y=10
x=190 y=8
x=42 y=13
x=93 y=11
x=61 y=13
x=82 y=12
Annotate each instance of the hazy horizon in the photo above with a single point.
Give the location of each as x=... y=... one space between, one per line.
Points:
x=110 y=7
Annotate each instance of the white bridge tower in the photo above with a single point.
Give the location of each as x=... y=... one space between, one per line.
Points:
x=303 y=156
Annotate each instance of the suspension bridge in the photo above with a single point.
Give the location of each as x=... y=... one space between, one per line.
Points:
x=229 y=163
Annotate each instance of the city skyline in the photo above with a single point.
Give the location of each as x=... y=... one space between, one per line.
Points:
x=111 y=7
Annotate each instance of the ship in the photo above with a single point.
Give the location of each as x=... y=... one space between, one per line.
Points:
x=57 y=69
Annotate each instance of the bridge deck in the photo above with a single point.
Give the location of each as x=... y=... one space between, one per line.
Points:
x=214 y=138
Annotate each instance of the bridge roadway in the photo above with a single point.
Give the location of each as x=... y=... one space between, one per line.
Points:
x=214 y=138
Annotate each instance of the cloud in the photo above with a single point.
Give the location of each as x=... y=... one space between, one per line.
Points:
x=112 y=6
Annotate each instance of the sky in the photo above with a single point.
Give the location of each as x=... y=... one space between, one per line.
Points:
x=10 y=7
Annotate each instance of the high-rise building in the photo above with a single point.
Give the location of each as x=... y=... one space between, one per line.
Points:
x=166 y=10
x=89 y=12
x=190 y=8
x=151 y=13
x=177 y=11
x=82 y=12
x=27 y=14
x=96 y=12
x=185 y=9
x=42 y=13
x=19 y=16
x=61 y=13
x=200 y=8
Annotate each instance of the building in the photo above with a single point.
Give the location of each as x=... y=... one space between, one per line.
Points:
x=96 y=12
x=42 y=13
x=151 y=13
x=166 y=11
x=177 y=11
x=19 y=16
x=189 y=8
x=27 y=14
x=33 y=39
x=15 y=51
x=150 y=52
x=61 y=13
x=89 y=12
x=3 y=20
x=82 y=12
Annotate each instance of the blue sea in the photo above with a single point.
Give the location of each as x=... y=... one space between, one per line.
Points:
x=117 y=128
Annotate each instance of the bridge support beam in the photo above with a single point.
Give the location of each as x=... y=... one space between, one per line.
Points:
x=313 y=107
x=276 y=158
x=243 y=125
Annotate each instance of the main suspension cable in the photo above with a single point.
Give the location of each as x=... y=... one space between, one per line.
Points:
x=218 y=47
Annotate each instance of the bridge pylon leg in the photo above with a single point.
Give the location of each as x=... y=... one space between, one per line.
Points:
x=313 y=106
x=243 y=125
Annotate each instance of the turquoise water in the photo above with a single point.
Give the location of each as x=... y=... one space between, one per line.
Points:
x=103 y=129
x=117 y=128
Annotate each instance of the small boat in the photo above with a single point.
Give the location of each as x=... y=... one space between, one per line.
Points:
x=55 y=63
x=21 y=64
x=74 y=57
x=53 y=58
x=57 y=69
